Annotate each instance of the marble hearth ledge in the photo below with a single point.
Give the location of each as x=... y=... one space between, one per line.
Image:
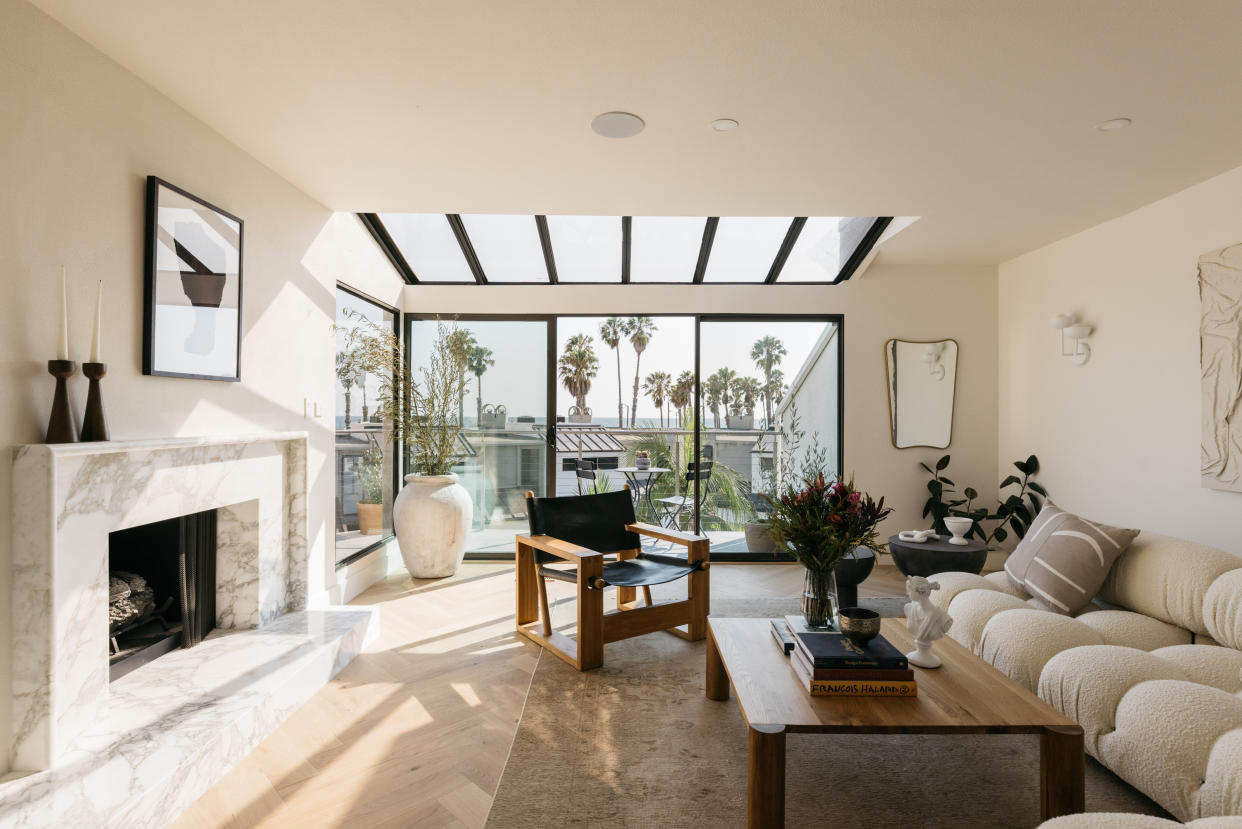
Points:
x=177 y=725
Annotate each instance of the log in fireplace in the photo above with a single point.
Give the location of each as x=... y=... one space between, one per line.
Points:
x=163 y=589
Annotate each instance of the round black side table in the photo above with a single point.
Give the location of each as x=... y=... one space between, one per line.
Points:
x=932 y=557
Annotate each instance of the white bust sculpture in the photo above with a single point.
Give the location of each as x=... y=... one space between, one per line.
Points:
x=925 y=621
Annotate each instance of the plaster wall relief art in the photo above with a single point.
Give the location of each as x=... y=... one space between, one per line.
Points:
x=193 y=287
x=1220 y=356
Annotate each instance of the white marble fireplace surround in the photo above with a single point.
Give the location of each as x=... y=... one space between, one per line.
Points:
x=67 y=498
x=136 y=752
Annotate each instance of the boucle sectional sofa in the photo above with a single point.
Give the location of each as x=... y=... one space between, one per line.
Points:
x=1152 y=669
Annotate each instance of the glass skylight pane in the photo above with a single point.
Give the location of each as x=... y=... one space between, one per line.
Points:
x=428 y=245
x=507 y=246
x=665 y=248
x=824 y=246
x=587 y=248
x=745 y=247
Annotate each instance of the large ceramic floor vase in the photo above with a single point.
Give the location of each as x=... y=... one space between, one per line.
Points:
x=431 y=517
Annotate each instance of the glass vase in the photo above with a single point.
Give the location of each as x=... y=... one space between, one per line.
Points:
x=819 y=598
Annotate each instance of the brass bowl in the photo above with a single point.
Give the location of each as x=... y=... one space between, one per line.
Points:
x=859 y=625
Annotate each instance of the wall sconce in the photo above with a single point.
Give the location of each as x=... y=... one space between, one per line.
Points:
x=931 y=356
x=1076 y=331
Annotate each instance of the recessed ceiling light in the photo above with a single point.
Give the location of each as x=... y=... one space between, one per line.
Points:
x=724 y=124
x=617 y=124
x=1114 y=125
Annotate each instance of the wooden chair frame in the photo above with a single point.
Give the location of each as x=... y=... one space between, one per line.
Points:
x=595 y=627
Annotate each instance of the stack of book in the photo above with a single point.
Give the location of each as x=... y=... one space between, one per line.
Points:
x=830 y=665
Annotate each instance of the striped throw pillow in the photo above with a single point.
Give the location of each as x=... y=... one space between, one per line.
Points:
x=1064 y=559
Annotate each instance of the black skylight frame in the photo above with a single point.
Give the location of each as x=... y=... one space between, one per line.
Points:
x=866 y=244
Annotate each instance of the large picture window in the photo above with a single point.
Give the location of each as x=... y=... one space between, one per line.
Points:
x=365 y=450
x=700 y=416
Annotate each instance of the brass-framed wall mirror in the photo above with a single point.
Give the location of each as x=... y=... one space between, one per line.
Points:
x=922 y=384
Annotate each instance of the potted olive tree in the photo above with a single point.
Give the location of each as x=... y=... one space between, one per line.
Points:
x=370 y=473
x=433 y=512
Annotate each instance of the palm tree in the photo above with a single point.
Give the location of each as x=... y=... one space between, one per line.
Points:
x=746 y=391
x=724 y=378
x=478 y=361
x=681 y=394
x=774 y=389
x=612 y=332
x=714 y=392
x=640 y=331
x=347 y=374
x=767 y=353
x=464 y=340
x=361 y=380
x=578 y=366
x=656 y=386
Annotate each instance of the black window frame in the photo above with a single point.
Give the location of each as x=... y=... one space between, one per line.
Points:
x=398 y=327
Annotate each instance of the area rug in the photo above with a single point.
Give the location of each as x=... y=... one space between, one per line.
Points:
x=637 y=744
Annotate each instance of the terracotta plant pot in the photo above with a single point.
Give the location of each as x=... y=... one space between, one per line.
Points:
x=370 y=519
x=431 y=518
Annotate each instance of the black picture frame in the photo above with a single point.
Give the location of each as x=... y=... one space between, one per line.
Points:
x=206 y=290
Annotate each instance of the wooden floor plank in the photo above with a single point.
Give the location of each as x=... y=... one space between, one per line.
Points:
x=417 y=729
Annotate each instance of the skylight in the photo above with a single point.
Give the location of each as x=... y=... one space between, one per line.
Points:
x=587 y=248
x=744 y=248
x=665 y=248
x=526 y=249
x=507 y=247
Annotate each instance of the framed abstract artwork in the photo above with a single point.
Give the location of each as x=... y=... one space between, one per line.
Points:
x=193 y=292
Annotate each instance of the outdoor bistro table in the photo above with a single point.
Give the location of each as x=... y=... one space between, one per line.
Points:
x=641 y=482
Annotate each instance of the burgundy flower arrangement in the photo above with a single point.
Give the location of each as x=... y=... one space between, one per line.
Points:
x=825 y=521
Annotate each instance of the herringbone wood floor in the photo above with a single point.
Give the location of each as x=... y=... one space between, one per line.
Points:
x=415 y=731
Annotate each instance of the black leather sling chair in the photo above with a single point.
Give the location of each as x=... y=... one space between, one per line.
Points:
x=599 y=535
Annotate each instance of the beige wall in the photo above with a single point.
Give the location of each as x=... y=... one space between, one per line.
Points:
x=920 y=303
x=1118 y=438
x=79 y=137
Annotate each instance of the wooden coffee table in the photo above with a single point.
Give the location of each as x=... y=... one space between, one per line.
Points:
x=963 y=696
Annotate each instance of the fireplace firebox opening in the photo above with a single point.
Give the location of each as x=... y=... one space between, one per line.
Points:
x=161 y=589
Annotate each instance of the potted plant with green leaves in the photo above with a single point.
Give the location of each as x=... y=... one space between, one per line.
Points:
x=370 y=472
x=433 y=512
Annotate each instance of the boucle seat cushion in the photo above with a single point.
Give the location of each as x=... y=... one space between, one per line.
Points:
x=1222 y=609
x=1168 y=579
x=973 y=609
x=1179 y=743
x=1019 y=643
x=1169 y=722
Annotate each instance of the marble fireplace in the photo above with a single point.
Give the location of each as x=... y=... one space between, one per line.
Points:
x=159 y=736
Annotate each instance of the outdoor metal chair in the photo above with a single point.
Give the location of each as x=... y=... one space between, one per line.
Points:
x=598 y=534
x=676 y=508
x=585 y=471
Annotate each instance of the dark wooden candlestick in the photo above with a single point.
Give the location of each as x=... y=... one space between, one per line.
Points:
x=94 y=426
x=60 y=426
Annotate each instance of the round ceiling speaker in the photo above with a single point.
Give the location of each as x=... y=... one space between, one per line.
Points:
x=617 y=124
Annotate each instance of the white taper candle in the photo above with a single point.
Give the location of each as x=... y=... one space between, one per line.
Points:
x=62 y=352
x=95 y=349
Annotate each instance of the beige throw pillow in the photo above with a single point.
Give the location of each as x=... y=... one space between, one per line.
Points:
x=1064 y=559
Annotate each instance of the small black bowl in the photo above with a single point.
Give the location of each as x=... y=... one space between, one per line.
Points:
x=859 y=625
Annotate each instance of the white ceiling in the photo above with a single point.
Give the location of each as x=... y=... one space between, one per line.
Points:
x=975 y=114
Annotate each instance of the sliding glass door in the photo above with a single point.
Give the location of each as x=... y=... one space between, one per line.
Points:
x=699 y=415
x=771 y=398
x=503 y=445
